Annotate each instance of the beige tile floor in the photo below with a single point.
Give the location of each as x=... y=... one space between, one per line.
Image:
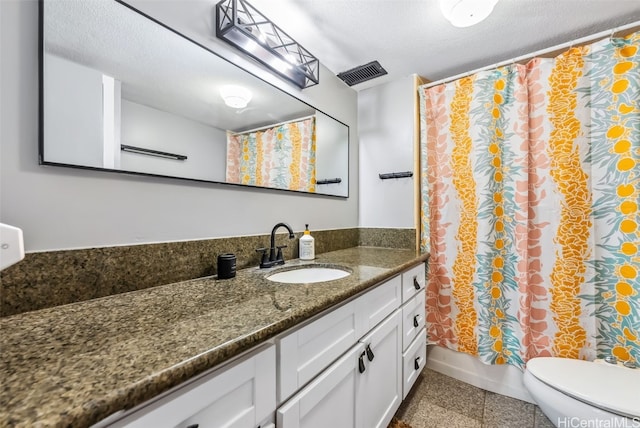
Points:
x=437 y=401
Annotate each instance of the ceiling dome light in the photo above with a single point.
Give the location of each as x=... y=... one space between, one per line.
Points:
x=465 y=13
x=235 y=96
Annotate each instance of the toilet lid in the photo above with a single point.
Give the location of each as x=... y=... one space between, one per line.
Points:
x=612 y=388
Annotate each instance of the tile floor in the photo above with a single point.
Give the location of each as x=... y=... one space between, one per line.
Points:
x=437 y=400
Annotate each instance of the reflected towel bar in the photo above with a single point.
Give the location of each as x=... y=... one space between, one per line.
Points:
x=329 y=181
x=150 y=152
x=395 y=175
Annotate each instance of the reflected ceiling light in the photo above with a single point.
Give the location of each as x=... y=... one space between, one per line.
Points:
x=465 y=13
x=235 y=96
x=241 y=25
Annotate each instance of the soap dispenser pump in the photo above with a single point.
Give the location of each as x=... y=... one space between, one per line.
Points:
x=307 y=245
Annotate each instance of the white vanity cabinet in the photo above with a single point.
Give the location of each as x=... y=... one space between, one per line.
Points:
x=238 y=395
x=366 y=384
x=414 y=336
x=307 y=351
x=362 y=389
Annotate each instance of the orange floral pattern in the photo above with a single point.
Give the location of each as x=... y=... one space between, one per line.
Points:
x=464 y=265
x=574 y=231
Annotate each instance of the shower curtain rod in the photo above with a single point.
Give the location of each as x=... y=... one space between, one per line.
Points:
x=576 y=42
x=272 y=126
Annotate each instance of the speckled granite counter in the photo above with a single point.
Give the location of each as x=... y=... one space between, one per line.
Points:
x=76 y=364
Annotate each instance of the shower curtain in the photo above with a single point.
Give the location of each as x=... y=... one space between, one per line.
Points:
x=281 y=156
x=530 y=190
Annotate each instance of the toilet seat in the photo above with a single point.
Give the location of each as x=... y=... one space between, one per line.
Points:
x=609 y=387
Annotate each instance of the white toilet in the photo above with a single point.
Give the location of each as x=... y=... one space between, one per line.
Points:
x=584 y=393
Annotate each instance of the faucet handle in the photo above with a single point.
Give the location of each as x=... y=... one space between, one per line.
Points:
x=279 y=256
x=265 y=256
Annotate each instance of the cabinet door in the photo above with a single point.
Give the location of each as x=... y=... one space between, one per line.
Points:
x=380 y=386
x=413 y=317
x=330 y=400
x=241 y=395
x=306 y=352
x=413 y=281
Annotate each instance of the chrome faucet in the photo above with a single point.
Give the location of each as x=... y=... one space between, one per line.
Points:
x=275 y=256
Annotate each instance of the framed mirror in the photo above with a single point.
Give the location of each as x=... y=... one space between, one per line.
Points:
x=122 y=92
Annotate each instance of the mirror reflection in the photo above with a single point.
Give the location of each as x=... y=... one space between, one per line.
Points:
x=122 y=92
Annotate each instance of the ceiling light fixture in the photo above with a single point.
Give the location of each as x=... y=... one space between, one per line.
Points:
x=241 y=25
x=465 y=13
x=235 y=96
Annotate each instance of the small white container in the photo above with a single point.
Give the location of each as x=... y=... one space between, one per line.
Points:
x=307 y=245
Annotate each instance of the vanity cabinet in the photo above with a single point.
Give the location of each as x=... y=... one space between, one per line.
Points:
x=307 y=351
x=362 y=389
x=414 y=334
x=375 y=336
x=239 y=395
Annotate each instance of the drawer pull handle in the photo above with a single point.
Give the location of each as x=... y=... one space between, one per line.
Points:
x=193 y=426
x=361 y=367
x=369 y=352
x=416 y=320
x=416 y=284
x=416 y=364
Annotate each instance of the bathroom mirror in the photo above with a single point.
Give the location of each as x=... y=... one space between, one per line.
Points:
x=123 y=92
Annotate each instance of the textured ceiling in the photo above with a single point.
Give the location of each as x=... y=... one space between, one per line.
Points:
x=409 y=36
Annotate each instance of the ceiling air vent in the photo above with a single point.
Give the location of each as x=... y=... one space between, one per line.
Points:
x=362 y=73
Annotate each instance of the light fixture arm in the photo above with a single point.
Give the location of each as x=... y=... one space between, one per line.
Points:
x=244 y=27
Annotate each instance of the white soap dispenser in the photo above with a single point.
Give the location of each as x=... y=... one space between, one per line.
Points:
x=307 y=245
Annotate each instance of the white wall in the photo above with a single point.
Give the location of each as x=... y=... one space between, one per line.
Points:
x=150 y=128
x=63 y=208
x=385 y=126
x=330 y=151
x=74 y=126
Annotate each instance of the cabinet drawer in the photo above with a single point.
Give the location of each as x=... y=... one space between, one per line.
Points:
x=378 y=303
x=413 y=318
x=413 y=361
x=238 y=395
x=413 y=281
x=304 y=353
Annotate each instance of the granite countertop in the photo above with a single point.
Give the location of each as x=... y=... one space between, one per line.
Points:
x=76 y=364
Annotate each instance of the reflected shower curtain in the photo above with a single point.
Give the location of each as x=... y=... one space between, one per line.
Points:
x=531 y=186
x=282 y=156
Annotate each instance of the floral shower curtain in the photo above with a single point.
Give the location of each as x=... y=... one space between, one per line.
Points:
x=530 y=193
x=282 y=156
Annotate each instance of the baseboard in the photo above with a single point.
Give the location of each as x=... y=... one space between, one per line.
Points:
x=502 y=379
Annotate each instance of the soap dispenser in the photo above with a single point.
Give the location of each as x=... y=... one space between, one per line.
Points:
x=307 y=245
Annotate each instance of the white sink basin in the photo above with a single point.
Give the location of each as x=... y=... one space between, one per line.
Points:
x=308 y=275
